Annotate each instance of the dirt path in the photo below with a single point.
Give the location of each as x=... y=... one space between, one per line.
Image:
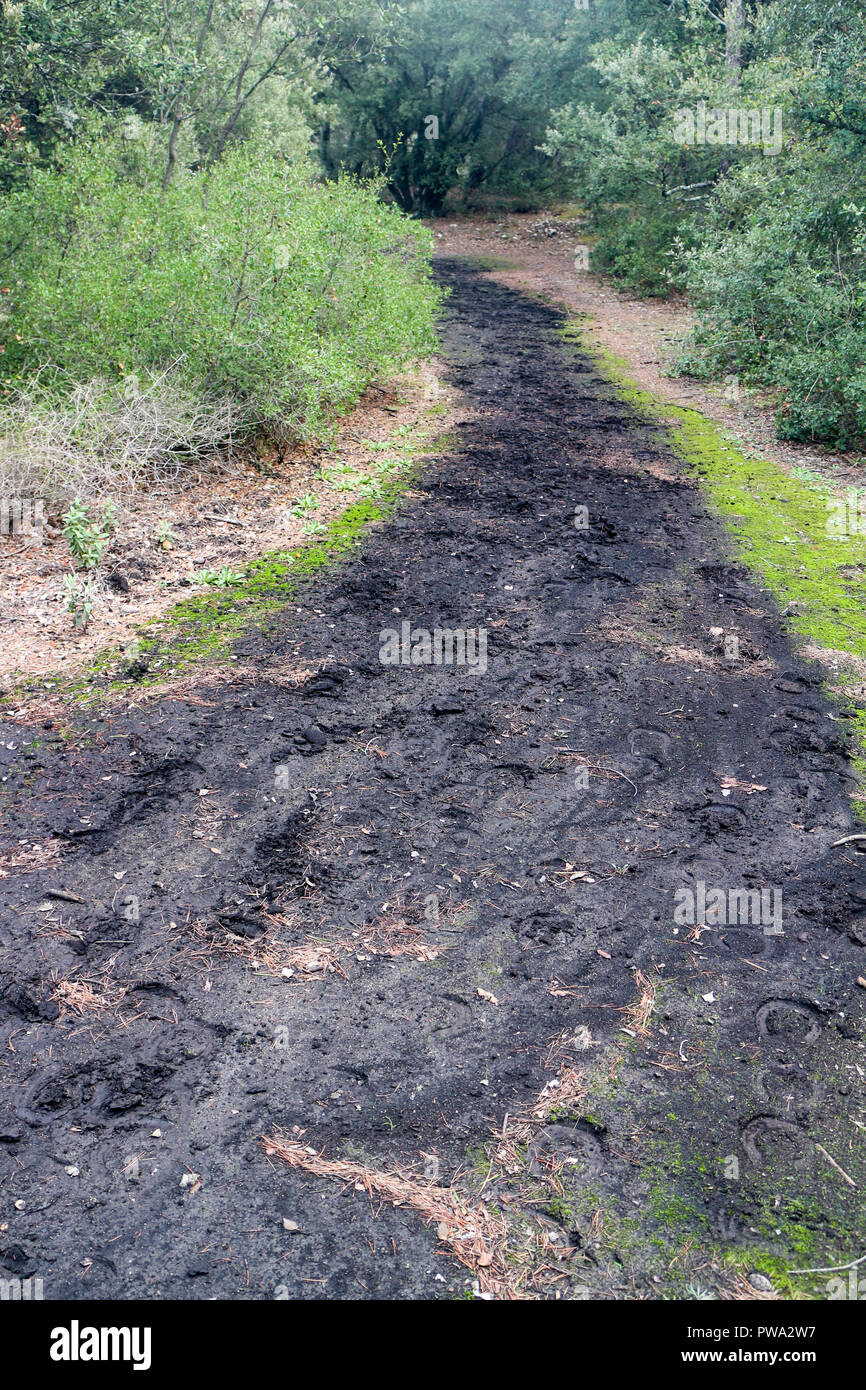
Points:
x=523 y=251
x=461 y=892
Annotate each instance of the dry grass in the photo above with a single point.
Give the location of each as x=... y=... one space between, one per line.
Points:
x=88 y=997
x=308 y=960
x=30 y=858
x=195 y=491
x=739 y=1290
x=641 y=1011
x=559 y=990
x=391 y=935
x=565 y=1092
x=597 y=769
x=315 y=957
x=472 y=1234
x=507 y=1261
x=106 y=441
x=241 y=675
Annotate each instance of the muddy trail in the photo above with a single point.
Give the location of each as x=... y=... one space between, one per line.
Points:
x=384 y=909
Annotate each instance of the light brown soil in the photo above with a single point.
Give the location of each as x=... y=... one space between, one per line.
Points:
x=255 y=496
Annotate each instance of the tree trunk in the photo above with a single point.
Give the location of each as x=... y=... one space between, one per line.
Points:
x=735 y=23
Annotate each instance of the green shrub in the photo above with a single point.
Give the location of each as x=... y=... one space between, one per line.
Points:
x=247 y=281
x=780 y=285
x=634 y=249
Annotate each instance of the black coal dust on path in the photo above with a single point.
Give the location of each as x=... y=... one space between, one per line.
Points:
x=529 y=827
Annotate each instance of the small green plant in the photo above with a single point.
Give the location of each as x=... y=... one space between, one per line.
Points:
x=221 y=577
x=80 y=599
x=87 y=536
x=165 y=537
x=307 y=503
x=342 y=478
x=313 y=528
x=700 y=1294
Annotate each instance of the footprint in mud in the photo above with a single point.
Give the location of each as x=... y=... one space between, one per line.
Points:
x=650 y=752
x=789 y=1020
x=548 y=928
x=792 y=683
x=775 y=1144
x=559 y=1146
x=788 y=1089
x=649 y=743
x=96 y=1095
x=701 y=868
x=715 y=819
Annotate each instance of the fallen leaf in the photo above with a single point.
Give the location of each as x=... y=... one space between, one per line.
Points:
x=731 y=784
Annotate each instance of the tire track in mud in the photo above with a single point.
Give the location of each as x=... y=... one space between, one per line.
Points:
x=530 y=826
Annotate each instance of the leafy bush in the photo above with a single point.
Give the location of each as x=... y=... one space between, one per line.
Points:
x=768 y=236
x=780 y=285
x=638 y=185
x=635 y=249
x=249 y=281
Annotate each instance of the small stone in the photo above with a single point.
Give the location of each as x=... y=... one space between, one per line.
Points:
x=291 y=1226
x=451 y=706
x=315 y=737
x=761 y=1283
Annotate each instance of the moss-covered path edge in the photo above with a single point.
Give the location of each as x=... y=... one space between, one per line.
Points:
x=805 y=543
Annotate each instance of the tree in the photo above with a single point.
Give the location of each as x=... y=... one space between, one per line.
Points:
x=441 y=94
x=197 y=70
